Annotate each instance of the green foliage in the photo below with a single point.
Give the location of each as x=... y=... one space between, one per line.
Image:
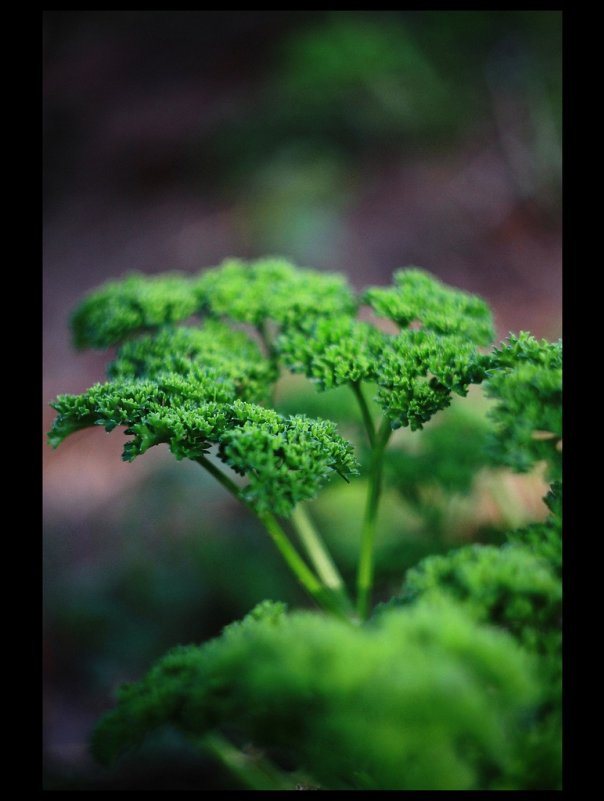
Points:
x=418 y=297
x=272 y=289
x=545 y=539
x=526 y=380
x=136 y=303
x=416 y=371
x=179 y=386
x=231 y=356
x=508 y=587
x=455 y=685
x=419 y=372
x=517 y=588
x=358 y=707
x=333 y=351
x=195 y=398
x=286 y=460
x=449 y=453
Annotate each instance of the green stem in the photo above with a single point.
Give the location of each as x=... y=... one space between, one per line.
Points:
x=365 y=570
x=318 y=554
x=323 y=596
x=226 y=482
x=254 y=773
x=369 y=425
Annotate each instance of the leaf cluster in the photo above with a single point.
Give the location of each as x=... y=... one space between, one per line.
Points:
x=231 y=357
x=439 y=690
x=133 y=304
x=508 y=587
x=196 y=386
x=525 y=378
x=285 y=459
x=357 y=706
x=417 y=297
x=416 y=371
x=272 y=289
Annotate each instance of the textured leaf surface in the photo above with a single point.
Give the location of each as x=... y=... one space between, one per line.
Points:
x=272 y=289
x=135 y=303
x=418 y=297
x=526 y=381
x=423 y=699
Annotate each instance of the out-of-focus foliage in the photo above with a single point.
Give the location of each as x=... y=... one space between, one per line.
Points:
x=545 y=539
x=134 y=304
x=448 y=454
x=344 y=90
x=372 y=76
x=517 y=587
x=526 y=381
x=363 y=75
x=508 y=587
x=356 y=83
x=312 y=685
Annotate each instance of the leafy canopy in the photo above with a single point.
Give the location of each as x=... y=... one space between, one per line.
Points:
x=272 y=289
x=357 y=706
x=453 y=685
x=419 y=297
x=198 y=386
x=286 y=459
x=135 y=303
x=525 y=377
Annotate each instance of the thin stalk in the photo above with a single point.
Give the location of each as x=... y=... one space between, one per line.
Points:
x=253 y=773
x=365 y=570
x=226 y=482
x=367 y=420
x=318 y=554
x=323 y=595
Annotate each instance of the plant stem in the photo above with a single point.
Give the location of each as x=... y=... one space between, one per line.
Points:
x=323 y=595
x=254 y=773
x=226 y=482
x=369 y=426
x=365 y=571
x=319 y=555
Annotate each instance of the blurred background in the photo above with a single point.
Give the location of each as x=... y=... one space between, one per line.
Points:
x=359 y=142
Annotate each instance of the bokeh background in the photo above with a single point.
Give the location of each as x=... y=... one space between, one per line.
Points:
x=351 y=141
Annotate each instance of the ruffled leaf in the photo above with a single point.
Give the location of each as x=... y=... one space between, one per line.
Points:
x=136 y=303
x=418 y=297
x=272 y=289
